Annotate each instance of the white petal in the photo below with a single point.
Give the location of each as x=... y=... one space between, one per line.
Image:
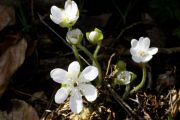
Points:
x=74 y=69
x=72 y=40
x=88 y=74
x=61 y=95
x=89 y=91
x=152 y=50
x=141 y=39
x=134 y=43
x=136 y=59
x=56 y=12
x=71 y=9
x=54 y=19
x=93 y=35
x=147 y=58
x=76 y=103
x=68 y=6
x=59 y=75
x=133 y=51
x=144 y=43
x=76 y=31
x=74 y=36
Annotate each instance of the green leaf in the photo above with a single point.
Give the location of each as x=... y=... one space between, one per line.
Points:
x=121 y=66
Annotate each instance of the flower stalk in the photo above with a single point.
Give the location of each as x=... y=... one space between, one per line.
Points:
x=97 y=50
x=141 y=84
x=126 y=92
x=76 y=54
x=86 y=51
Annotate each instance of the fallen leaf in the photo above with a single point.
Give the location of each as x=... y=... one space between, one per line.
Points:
x=10 y=61
x=8 y=40
x=19 y=110
x=7 y=16
x=166 y=80
x=38 y=95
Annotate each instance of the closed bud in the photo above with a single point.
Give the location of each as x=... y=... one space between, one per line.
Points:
x=74 y=36
x=95 y=36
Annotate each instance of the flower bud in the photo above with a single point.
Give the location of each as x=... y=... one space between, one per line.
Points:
x=95 y=36
x=74 y=36
x=124 y=77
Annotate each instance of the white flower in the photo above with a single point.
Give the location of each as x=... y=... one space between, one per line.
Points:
x=140 y=50
x=76 y=84
x=95 y=36
x=66 y=17
x=124 y=77
x=74 y=36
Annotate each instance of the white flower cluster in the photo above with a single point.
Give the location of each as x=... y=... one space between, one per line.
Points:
x=76 y=83
x=67 y=17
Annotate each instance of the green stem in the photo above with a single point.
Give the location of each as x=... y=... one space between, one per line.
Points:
x=76 y=54
x=69 y=28
x=96 y=51
x=138 y=87
x=85 y=50
x=126 y=93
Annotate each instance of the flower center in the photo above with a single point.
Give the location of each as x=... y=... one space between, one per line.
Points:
x=66 y=19
x=75 y=84
x=142 y=53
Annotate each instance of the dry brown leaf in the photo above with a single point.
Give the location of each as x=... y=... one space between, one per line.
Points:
x=10 y=61
x=166 y=79
x=38 y=95
x=8 y=40
x=20 y=110
x=7 y=16
x=174 y=102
